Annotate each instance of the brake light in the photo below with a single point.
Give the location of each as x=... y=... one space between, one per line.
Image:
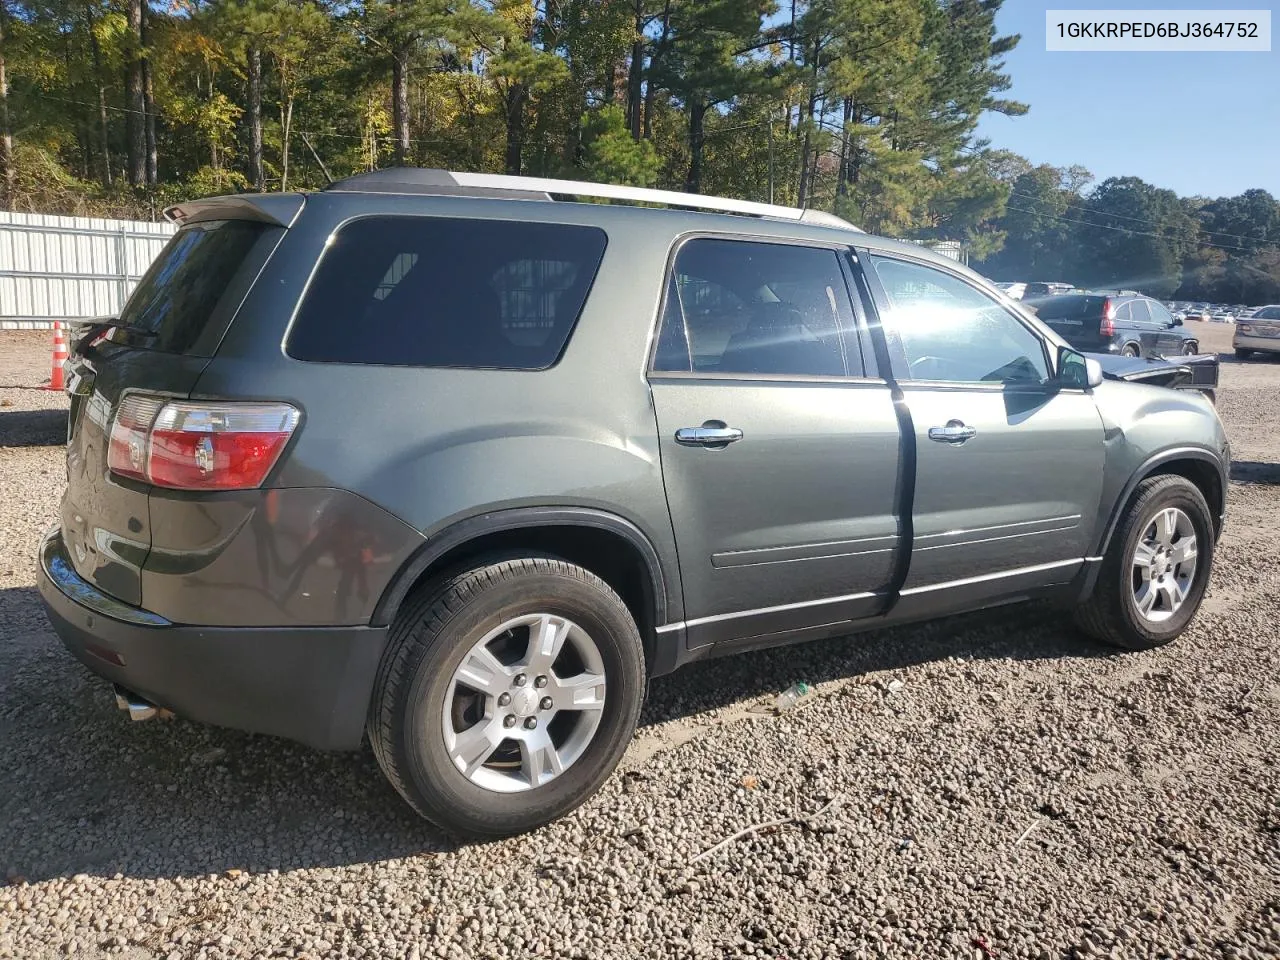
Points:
x=1108 y=325
x=199 y=446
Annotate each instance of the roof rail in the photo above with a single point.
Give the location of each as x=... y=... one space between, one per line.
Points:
x=420 y=180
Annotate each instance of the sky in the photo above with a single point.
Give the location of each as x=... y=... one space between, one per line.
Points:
x=1197 y=123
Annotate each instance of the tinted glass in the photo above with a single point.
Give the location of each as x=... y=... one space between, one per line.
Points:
x=1070 y=307
x=737 y=307
x=174 y=302
x=1139 y=312
x=1267 y=313
x=952 y=332
x=436 y=292
x=1124 y=312
x=1160 y=314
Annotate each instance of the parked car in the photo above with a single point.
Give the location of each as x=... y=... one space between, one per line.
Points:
x=1130 y=326
x=447 y=459
x=1222 y=315
x=1014 y=291
x=1259 y=333
x=1198 y=314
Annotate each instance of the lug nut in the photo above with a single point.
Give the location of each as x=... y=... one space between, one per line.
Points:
x=540 y=682
x=504 y=699
x=531 y=723
x=509 y=720
x=521 y=680
x=546 y=703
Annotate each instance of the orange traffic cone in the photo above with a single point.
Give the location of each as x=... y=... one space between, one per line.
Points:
x=57 y=380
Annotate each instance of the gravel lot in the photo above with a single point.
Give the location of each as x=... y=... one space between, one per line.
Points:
x=1024 y=794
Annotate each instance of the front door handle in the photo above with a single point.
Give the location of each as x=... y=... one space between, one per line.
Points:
x=956 y=431
x=715 y=434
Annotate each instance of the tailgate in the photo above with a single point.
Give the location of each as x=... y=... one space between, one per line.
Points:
x=161 y=342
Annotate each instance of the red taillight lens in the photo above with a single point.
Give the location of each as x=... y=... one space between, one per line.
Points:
x=200 y=446
x=127 y=448
x=1108 y=325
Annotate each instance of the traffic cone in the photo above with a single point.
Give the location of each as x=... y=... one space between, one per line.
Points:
x=57 y=379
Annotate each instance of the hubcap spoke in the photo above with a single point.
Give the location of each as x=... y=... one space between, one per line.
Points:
x=1146 y=598
x=582 y=692
x=473 y=746
x=1143 y=554
x=539 y=759
x=483 y=672
x=1166 y=522
x=546 y=639
x=1184 y=550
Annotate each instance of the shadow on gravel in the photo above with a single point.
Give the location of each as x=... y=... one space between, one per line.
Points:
x=89 y=792
x=1254 y=471
x=33 y=428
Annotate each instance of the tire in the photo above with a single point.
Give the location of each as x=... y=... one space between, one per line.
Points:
x=1130 y=350
x=1242 y=354
x=442 y=625
x=1112 y=614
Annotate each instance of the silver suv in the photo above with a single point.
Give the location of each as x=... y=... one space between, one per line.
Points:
x=448 y=460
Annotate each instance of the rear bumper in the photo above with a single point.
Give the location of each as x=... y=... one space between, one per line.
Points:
x=1261 y=344
x=310 y=684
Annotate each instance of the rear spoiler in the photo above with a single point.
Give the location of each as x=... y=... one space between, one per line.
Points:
x=277 y=209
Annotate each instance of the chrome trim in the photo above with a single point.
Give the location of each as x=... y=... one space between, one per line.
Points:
x=61 y=574
x=997 y=526
x=1039 y=568
x=778 y=609
x=1007 y=536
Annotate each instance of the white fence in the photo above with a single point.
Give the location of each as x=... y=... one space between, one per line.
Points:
x=64 y=268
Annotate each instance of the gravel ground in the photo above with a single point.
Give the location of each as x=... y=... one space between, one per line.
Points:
x=1022 y=794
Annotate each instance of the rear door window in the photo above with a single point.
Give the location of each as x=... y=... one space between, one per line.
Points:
x=189 y=288
x=1139 y=312
x=440 y=292
x=746 y=308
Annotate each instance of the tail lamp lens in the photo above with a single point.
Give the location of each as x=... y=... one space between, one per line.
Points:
x=199 y=446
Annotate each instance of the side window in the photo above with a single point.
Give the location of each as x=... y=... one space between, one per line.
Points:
x=1160 y=314
x=738 y=307
x=1140 y=312
x=437 y=292
x=953 y=332
x=1123 y=312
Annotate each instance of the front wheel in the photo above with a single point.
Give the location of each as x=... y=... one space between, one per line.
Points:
x=1156 y=568
x=507 y=695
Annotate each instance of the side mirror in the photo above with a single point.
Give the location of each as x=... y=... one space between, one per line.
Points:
x=1075 y=370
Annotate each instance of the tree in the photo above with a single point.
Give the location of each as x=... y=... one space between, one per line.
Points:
x=612 y=155
x=1138 y=236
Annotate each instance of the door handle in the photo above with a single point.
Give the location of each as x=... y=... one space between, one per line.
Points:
x=715 y=434
x=956 y=431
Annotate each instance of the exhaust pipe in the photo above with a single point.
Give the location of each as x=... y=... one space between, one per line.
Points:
x=132 y=704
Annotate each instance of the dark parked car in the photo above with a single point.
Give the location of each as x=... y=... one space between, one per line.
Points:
x=448 y=460
x=1129 y=326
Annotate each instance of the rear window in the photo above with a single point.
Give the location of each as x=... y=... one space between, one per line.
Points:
x=1069 y=308
x=437 y=292
x=1267 y=313
x=181 y=292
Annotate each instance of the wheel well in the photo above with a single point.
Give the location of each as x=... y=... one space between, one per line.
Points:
x=608 y=555
x=1206 y=478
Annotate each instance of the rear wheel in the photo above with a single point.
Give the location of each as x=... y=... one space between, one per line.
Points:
x=507 y=695
x=1156 y=568
x=1130 y=350
x=1189 y=348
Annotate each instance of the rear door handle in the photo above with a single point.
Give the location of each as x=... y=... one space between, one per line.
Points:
x=956 y=431
x=715 y=434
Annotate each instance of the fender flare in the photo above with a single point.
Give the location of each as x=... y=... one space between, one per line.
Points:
x=1164 y=456
x=518 y=518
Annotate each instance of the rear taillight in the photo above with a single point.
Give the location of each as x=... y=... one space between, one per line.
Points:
x=198 y=446
x=1108 y=325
